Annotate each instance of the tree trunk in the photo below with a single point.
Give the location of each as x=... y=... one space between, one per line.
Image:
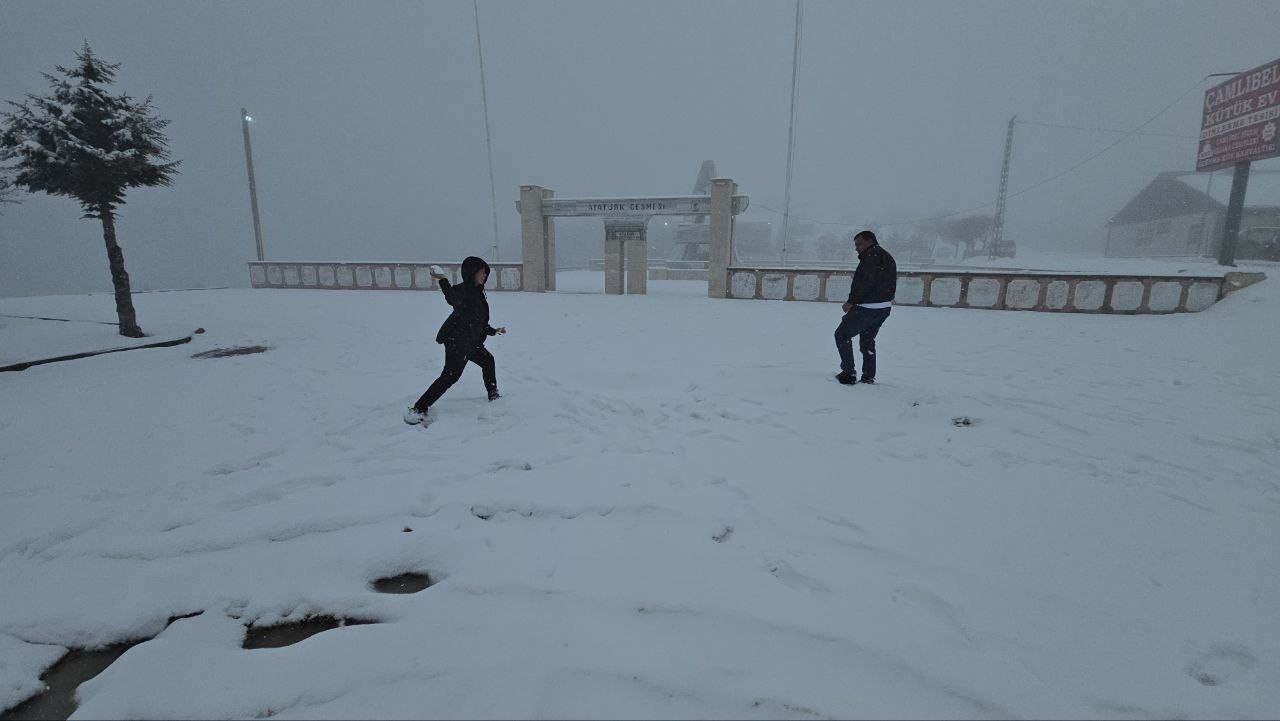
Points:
x=119 y=277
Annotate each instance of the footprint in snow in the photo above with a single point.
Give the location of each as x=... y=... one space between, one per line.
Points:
x=1220 y=663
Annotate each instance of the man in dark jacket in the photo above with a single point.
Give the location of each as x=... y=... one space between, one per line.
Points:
x=870 y=298
x=463 y=335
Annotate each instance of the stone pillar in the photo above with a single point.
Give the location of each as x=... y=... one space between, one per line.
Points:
x=549 y=247
x=613 y=237
x=626 y=254
x=721 y=251
x=636 y=250
x=536 y=233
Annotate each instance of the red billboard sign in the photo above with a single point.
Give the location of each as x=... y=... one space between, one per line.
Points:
x=1240 y=119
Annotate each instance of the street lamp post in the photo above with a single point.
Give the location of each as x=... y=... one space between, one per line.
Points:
x=488 y=137
x=791 y=136
x=245 y=119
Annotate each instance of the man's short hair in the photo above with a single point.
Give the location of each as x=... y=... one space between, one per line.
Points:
x=866 y=235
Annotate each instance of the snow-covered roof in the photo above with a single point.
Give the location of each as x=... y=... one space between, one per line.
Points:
x=1165 y=197
x=1175 y=193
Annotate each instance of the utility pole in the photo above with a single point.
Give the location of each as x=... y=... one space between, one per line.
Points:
x=997 y=225
x=791 y=137
x=245 y=119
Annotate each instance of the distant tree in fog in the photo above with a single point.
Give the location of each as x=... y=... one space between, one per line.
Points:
x=970 y=231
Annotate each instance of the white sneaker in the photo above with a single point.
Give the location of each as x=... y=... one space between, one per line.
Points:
x=413 y=416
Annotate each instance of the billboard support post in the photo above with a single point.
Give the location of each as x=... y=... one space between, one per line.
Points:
x=1235 y=211
x=1238 y=125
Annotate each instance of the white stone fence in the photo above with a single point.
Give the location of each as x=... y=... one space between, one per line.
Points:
x=1001 y=290
x=372 y=276
x=1060 y=292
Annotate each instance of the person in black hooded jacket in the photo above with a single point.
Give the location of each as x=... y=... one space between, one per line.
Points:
x=463 y=335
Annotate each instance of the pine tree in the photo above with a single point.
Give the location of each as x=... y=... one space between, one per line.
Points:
x=82 y=142
x=7 y=190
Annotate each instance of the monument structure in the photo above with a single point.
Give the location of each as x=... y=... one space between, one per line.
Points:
x=626 y=248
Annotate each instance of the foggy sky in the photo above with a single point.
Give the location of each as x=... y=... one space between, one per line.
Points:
x=369 y=135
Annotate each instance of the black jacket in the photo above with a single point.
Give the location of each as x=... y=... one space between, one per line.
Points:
x=876 y=279
x=468 y=324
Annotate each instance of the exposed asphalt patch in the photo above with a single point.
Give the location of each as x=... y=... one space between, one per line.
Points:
x=404 y=583
x=58 y=699
x=76 y=356
x=233 y=351
x=287 y=634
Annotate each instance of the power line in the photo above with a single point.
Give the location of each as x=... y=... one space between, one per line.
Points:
x=1119 y=140
x=1108 y=130
x=762 y=206
x=1029 y=188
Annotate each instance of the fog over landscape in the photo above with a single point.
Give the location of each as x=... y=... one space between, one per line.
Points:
x=655 y=476
x=369 y=133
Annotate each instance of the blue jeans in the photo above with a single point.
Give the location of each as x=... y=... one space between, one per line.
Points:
x=864 y=323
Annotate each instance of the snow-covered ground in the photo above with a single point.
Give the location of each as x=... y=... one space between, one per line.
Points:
x=673 y=511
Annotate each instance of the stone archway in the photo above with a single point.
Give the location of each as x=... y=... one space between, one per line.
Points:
x=626 y=248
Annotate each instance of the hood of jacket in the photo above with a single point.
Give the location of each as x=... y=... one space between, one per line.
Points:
x=470 y=266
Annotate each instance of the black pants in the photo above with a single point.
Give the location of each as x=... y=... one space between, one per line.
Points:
x=864 y=323
x=455 y=360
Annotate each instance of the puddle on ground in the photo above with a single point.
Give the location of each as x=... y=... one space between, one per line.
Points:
x=237 y=350
x=58 y=701
x=287 y=634
x=404 y=583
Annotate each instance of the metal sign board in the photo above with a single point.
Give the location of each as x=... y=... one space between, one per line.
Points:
x=1239 y=119
x=634 y=207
